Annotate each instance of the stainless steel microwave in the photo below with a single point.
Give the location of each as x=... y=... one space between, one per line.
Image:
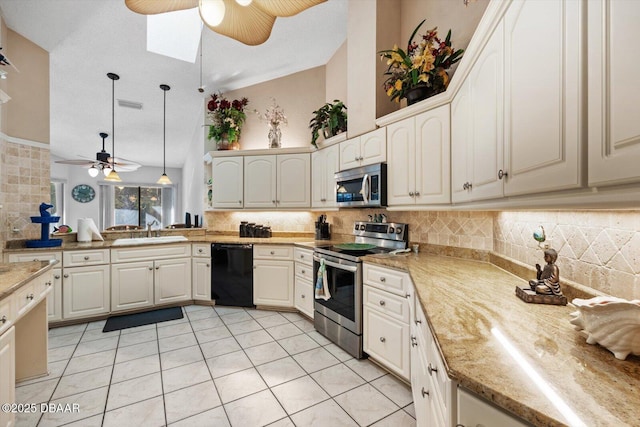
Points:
x=363 y=187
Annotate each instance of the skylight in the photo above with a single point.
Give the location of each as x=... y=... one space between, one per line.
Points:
x=175 y=34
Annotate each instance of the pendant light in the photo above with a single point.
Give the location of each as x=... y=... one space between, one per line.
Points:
x=164 y=179
x=113 y=175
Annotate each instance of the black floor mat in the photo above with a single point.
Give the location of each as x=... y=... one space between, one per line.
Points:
x=125 y=321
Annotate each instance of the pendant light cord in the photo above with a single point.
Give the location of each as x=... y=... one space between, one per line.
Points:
x=164 y=135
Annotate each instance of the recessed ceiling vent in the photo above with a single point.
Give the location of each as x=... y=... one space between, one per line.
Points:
x=130 y=104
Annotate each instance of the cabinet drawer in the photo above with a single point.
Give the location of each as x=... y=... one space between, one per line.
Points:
x=387 y=341
x=43 y=284
x=150 y=253
x=304 y=296
x=389 y=280
x=304 y=256
x=35 y=256
x=387 y=303
x=304 y=271
x=280 y=252
x=201 y=250
x=7 y=314
x=25 y=298
x=82 y=258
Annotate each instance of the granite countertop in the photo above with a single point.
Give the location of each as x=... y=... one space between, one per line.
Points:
x=14 y=275
x=466 y=300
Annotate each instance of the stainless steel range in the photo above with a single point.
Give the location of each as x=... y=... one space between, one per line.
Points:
x=340 y=317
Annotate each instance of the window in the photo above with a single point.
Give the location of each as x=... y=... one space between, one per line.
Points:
x=136 y=205
x=57 y=199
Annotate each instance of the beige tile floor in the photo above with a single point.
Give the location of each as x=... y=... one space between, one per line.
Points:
x=215 y=367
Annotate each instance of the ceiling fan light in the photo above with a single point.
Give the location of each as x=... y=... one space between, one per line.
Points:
x=106 y=169
x=244 y=2
x=212 y=11
x=93 y=171
x=113 y=176
x=164 y=180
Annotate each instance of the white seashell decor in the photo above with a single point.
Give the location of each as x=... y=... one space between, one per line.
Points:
x=612 y=322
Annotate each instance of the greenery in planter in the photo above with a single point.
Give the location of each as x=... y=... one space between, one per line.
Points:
x=331 y=119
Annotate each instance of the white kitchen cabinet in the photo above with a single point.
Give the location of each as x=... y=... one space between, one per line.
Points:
x=227 y=182
x=54 y=300
x=280 y=181
x=273 y=276
x=304 y=292
x=324 y=165
x=477 y=127
x=387 y=295
x=363 y=150
x=418 y=159
x=613 y=111
x=172 y=280
x=474 y=411
x=543 y=136
x=85 y=291
x=8 y=375
x=132 y=285
x=201 y=272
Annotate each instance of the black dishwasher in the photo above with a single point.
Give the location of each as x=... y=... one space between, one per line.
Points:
x=232 y=274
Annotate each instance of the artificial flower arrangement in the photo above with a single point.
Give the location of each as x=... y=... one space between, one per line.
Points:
x=423 y=64
x=227 y=118
x=274 y=115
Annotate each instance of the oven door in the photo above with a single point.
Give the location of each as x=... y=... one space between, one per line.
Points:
x=345 y=286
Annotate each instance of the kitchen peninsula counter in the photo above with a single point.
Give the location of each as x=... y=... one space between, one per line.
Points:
x=469 y=303
x=15 y=275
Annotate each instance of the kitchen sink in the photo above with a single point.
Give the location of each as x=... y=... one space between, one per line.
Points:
x=149 y=240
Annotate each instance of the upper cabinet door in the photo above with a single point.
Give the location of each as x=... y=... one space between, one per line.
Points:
x=373 y=147
x=260 y=182
x=461 y=143
x=227 y=182
x=401 y=178
x=350 y=153
x=433 y=156
x=332 y=163
x=614 y=92
x=293 y=181
x=543 y=100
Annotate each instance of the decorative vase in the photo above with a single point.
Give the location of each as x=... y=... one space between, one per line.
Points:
x=274 y=136
x=420 y=93
x=225 y=144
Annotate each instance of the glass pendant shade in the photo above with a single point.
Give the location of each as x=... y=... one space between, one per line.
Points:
x=106 y=169
x=113 y=176
x=212 y=11
x=164 y=180
x=93 y=171
x=244 y=2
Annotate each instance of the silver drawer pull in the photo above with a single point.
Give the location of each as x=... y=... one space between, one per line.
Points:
x=200 y=251
x=383 y=279
x=303 y=271
x=208 y=265
x=57 y=276
x=3 y=320
x=382 y=302
x=302 y=296
x=48 y=283
x=424 y=392
x=66 y=276
x=30 y=297
x=151 y=268
x=301 y=256
x=418 y=321
x=382 y=339
x=431 y=369
x=414 y=342
x=36 y=259
x=272 y=253
x=158 y=267
x=86 y=258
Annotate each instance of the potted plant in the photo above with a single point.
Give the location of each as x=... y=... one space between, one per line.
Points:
x=420 y=71
x=330 y=119
x=227 y=118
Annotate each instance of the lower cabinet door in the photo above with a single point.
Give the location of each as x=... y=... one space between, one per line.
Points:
x=131 y=285
x=54 y=299
x=7 y=375
x=304 y=296
x=85 y=291
x=273 y=283
x=387 y=341
x=172 y=280
x=201 y=275
x=474 y=411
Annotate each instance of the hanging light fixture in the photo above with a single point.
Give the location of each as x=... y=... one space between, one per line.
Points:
x=113 y=175
x=164 y=179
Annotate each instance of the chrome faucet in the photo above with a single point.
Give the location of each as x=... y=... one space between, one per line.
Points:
x=154 y=222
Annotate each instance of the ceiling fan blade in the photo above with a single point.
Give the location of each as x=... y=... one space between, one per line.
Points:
x=285 y=7
x=152 y=7
x=248 y=24
x=77 y=162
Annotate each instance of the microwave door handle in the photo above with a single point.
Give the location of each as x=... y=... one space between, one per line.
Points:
x=336 y=265
x=365 y=188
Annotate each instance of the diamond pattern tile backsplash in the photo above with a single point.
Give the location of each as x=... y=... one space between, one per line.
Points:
x=598 y=249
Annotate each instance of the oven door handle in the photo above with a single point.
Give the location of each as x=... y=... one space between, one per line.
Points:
x=365 y=188
x=336 y=265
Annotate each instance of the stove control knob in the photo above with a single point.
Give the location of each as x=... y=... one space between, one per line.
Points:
x=357 y=226
x=399 y=230
x=391 y=230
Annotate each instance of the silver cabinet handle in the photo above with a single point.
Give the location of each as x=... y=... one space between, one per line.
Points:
x=272 y=253
x=382 y=339
x=48 y=283
x=3 y=320
x=424 y=392
x=157 y=267
x=383 y=279
x=200 y=251
x=431 y=369
x=469 y=186
x=273 y=201
x=410 y=193
x=66 y=276
x=150 y=268
x=502 y=174
x=30 y=297
x=36 y=259
x=356 y=158
x=465 y=186
x=417 y=194
x=240 y=201
x=57 y=276
x=86 y=258
x=208 y=265
x=301 y=256
x=302 y=296
x=360 y=158
x=303 y=271
x=418 y=321
x=382 y=303
x=414 y=342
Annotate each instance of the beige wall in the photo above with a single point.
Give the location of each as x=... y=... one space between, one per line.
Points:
x=335 y=76
x=298 y=94
x=28 y=111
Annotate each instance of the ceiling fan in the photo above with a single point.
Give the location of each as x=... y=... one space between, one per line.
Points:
x=248 y=21
x=103 y=162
